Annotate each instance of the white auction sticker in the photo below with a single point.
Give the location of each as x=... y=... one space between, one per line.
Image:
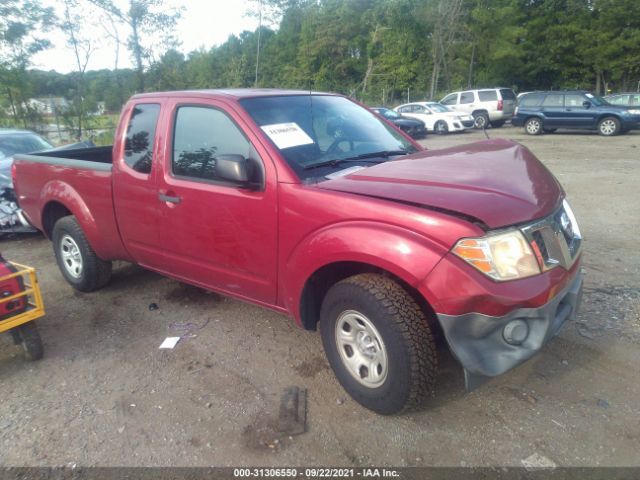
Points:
x=287 y=135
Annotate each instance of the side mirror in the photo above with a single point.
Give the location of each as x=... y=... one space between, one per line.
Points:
x=233 y=168
x=586 y=104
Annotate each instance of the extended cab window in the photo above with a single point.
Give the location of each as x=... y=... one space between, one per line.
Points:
x=141 y=131
x=200 y=134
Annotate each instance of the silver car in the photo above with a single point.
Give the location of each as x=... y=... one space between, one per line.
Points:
x=489 y=106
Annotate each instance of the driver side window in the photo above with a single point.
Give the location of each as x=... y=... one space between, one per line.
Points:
x=200 y=135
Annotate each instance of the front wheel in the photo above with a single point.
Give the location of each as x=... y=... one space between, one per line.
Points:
x=28 y=336
x=379 y=344
x=441 y=127
x=533 y=126
x=609 y=126
x=79 y=264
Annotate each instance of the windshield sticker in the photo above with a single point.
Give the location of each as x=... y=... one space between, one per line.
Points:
x=287 y=135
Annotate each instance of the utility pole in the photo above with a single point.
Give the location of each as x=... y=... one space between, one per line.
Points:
x=255 y=84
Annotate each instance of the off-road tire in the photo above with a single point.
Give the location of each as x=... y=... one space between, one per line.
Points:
x=533 y=126
x=30 y=341
x=609 y=126
x=405 y=332
x=96 y=272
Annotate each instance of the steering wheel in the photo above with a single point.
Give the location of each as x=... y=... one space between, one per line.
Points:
x=335 y=146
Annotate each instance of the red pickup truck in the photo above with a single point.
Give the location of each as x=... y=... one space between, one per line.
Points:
x=313 y=206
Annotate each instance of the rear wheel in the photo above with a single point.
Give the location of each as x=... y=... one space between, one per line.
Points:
x=79 y=264
x=441 y=127
x=609 y=126
x=378 y=343
x=481 y=120
x=29 y=338
x=533 y=126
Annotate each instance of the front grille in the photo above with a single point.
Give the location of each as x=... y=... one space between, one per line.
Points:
x=555 y=239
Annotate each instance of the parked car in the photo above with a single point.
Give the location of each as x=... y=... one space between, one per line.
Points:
x=624 y=99
x=315 y=207
x=436 y=117
x=545 y=112
x=489 y=106
x=410 y=126
x=13 y=141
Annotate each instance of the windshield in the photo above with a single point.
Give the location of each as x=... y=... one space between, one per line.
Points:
x=314 y=129
x=436 y=107
x=13 y=143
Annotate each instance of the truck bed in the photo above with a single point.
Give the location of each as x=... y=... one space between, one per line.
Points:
x=82 y=179
x=94 y=154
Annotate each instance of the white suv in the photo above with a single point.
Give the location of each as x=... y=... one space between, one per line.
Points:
x=488 y=105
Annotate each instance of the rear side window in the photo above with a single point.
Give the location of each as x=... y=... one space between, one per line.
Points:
x=507 y=94
x=141 y=132
x=466 y=97
x=634 y=100
x=488 y=95
x=531 y=100
x=553 y=100
x=200 y=134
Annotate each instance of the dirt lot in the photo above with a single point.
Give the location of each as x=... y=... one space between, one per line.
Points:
x=106 y=395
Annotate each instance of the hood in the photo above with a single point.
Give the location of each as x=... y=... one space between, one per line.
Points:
x=496 y=182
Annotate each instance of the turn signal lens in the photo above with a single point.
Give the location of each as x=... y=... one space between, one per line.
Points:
x=504 y=256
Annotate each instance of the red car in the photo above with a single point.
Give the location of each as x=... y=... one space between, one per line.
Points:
x=313 y=206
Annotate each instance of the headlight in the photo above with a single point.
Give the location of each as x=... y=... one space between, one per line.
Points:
x=634 y=111
x=504 y=256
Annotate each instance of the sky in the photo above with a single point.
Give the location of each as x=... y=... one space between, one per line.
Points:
x=204 y=23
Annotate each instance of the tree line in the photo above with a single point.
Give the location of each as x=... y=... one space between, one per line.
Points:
x=379 y=51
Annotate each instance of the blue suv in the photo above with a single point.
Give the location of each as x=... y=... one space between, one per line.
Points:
x=540 y=112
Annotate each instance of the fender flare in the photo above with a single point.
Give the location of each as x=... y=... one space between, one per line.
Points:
x=406 y=254
x=64 y=194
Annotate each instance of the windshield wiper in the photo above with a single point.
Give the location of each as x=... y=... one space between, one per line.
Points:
x=367 y=157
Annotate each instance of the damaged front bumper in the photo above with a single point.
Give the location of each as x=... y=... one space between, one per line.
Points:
x=488 y=346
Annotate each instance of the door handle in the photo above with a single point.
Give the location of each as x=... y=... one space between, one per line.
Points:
x=169 y=198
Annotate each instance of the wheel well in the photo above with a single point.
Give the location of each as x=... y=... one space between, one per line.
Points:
x=53 y=211
x=324 y=278
x=476 y=112
x=606 y=115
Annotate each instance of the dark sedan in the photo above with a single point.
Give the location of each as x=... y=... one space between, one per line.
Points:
x=411 y=126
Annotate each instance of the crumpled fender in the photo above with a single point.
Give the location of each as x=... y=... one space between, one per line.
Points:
x=404 y=253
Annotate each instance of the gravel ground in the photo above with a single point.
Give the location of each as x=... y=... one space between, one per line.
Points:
x=105 y=395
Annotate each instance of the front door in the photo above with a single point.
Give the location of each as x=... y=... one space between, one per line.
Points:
x=134 y=185
x=576 y=114
x=217 y=234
